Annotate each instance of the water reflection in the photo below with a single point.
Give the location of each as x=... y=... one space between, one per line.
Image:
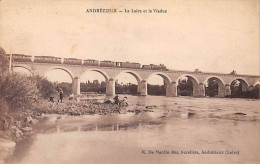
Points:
x=101 y=125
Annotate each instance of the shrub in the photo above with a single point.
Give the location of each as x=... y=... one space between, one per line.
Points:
x=3 y=61
x=18 y=91
x=44 y=86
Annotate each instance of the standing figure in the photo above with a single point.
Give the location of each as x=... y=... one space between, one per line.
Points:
x=61 y=95
x=71 y=96
x=58 y=89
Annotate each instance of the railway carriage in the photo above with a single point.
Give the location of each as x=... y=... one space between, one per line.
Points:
x=146 y=66
x=107 y=63
x=20 y=58
x=128 y=65
x=90 y=62
x=72 y=61
x=135 y=65
x=47 y=59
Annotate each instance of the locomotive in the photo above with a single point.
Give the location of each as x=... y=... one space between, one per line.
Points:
x=155 y=67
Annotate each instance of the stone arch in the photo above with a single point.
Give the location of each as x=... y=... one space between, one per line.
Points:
x=163 y=75
x=221 y=85
x=106 y=76
x=110 y=82
x=61 y=68
x=74 y=79
x=189 y=76
x=256 y=83
x=170 y=89
x=25 y=67
x=195 y=82
x=257 y=87
x=133 y=73
x=244 y=83
x=213 y=76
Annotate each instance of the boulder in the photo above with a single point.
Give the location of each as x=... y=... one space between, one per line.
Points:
x=28 y=119
x=16 y=132
x=150 y=107
x=34 y=121
x=27 y=129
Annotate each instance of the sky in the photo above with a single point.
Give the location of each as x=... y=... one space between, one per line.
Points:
x=211 y=35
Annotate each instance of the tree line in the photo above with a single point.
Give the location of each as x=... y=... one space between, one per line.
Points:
x=129 y=88
x=184 y=88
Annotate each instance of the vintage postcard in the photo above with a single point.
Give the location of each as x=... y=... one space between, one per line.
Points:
x=129 y=82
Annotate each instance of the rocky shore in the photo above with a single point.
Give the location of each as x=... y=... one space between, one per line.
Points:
x=23 y=122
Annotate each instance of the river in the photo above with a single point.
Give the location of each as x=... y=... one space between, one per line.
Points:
x=179 y=130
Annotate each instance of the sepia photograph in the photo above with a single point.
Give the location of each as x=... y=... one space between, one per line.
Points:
x=129 y=82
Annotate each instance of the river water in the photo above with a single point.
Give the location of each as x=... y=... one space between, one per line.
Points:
x=179 y=130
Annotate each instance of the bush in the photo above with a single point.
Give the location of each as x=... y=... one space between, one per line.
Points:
x=3 y=61
x=18 y=91
x=45 y=87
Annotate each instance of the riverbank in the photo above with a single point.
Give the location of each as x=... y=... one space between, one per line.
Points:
x=23 y=122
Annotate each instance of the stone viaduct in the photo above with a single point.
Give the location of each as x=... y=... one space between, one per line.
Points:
x=199 y=79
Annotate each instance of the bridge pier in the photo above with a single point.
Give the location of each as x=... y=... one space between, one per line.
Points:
x=110 y=87
x=143 y=88
x=227 y=90
x=138 y=87
x=76 y=86
x=251 y=88
x=258 y=90
x=196 y=90
x=171 y=89
x=221 y=90
x=202 y=90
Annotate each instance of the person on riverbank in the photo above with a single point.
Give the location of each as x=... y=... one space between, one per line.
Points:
x=71 y=96
x=61 y=95
x=116 y=100
x=58 y=88
x=125 y=101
